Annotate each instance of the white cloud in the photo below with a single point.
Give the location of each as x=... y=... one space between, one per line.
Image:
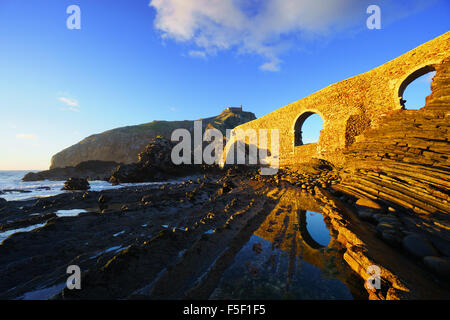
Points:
x=26 y=136
x=71 y=104
x=273 y=65
x=173 y=109
x=197 y=54
x=265 y=27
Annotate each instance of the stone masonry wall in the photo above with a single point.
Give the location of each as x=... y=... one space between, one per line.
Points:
x=351 y=106
x=405 y=157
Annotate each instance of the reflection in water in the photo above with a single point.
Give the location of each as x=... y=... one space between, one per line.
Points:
x=291 y=256
x=317 y=228
x=271 y=275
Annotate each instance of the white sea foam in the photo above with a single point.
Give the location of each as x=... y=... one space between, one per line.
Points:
x=12 y=180
x=6 y=234
x=69 y=213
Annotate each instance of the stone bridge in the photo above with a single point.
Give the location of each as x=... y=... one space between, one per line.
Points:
x=348 y=107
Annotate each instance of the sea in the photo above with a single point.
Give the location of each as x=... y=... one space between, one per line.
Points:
x=21 y=190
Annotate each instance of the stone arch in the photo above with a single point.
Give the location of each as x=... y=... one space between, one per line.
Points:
x=298 y=124
x=410 y=78
x=306 y=236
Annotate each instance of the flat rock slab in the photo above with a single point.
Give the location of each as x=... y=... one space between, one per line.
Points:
x=418 y=246
x=440 y=266
x=364 y=202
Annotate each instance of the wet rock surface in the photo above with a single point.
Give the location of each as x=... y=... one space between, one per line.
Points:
x=176 y=240
x=76 y=184
x=419 y=246
x=438 y=265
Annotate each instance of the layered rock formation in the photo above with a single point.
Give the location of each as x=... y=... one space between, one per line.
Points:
x=401 y=164
x=404 y=158
x=123 y=145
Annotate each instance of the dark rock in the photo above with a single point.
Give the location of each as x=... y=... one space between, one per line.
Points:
x=365 y=214
x=102 y=202
x=133 y=173
x=226 y=187
x=157 y=154
x=440 y=266
x=154 y=164
x=385 y=226
x=27 y=221
x=393 y=221
x=377 y=216
x=418 y=246
x=103 y=199
x=42 y=202
x=147 y=198
x=76 y=184
x=391 y=237
x=443 y=246
x=16 y=190
x=92 y=170
x=2 y=202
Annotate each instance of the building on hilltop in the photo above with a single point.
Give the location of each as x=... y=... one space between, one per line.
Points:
x=234 y=109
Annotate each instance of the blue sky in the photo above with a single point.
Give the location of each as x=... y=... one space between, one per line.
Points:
x=132 y=62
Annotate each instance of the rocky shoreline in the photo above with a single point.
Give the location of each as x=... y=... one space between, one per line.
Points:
x=91 y=170
x=174 y=241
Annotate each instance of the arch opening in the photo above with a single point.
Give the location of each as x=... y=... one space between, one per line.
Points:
x=313 y=229
x=307 y=128
x=416 y=87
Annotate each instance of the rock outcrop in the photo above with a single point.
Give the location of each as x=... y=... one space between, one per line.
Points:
x=76 y=184
x=155 y=164
x=123 y=145
x=91 y=170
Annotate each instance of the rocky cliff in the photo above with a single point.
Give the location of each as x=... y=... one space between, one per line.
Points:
x=123 y=144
